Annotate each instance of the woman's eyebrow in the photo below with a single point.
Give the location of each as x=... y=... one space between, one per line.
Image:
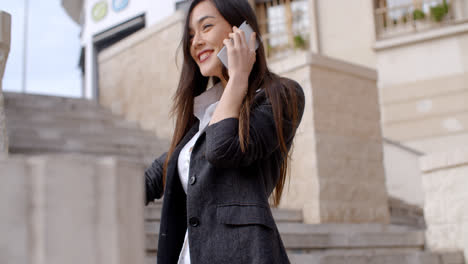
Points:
x=202 y=18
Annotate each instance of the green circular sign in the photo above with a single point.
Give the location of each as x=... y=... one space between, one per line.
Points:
x=99 y=11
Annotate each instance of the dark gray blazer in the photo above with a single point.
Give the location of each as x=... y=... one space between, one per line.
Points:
x=226 y=208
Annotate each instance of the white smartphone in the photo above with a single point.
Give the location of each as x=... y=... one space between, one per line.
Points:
x=222 y=55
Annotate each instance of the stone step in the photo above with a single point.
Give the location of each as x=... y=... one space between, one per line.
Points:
x=109 y=136
x=93 y=113
x=403 y=213
x=153 y=212
x=70 y=108
x=287 y=215
x=370 y=257
x=156 y=202
x=304 y=236
x=394 y=256
x=34 y=101
x=297 y=236
x=27 y=108
x=92 y=116
x=48 y=124
x=150 y=258
x=22 y=144
x=92 y=121
x=77 y=144
x=348 y=228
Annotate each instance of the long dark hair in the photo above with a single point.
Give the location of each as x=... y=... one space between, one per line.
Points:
x=192 y=83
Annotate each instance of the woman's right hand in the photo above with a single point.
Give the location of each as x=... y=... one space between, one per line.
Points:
x=241 y=55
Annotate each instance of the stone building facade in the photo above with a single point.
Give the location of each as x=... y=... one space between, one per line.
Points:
x=415 y=92
x=380 y=94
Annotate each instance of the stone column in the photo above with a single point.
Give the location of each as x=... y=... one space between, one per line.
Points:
x=71 y=209
x=314 y=26
x=337 y=172
x=252 y=3
x=459 y=8
x=5 y=36
x=445 y=183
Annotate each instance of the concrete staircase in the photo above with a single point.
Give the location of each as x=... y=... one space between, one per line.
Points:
x=45 y=124
x=402 y=213
x=48 y=124
x=333 y=243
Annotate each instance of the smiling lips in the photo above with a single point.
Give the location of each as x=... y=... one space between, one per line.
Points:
x=204 y=55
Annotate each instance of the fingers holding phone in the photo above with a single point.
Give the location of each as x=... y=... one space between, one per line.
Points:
x=240 y=52
x=252 y=43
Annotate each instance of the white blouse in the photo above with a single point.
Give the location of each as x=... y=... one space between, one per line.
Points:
x=203 y=108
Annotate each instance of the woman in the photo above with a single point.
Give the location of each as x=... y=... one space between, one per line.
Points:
x=230 y=147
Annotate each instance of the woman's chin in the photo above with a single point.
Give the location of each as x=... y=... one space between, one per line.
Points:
x=204 y=73
x=210 y=68
x=207 y=73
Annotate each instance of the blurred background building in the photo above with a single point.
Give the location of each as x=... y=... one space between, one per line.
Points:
x=104 y=23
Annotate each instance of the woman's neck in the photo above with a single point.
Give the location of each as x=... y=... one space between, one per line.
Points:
x=223 y=82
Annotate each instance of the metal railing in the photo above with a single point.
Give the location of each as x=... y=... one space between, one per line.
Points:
x=284 y=25
x=417 y=16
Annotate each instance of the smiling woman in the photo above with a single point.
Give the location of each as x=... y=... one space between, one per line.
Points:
x=208 y=29
x=229 y=151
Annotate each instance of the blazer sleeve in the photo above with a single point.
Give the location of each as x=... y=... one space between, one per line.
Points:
x=222 y=138
x=153 y=179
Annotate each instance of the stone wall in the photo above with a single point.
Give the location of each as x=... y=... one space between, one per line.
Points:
x=423 y=81
x=337 y=169
x=138 y=76
x=5 y=35
x=445 y=182
x=402 y=173
x=345 y=38
x=429 y=115
x=71 y=209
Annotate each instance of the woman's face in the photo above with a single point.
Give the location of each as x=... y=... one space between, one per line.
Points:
x=207 y=29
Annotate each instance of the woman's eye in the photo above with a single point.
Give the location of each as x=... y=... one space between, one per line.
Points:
x=206 y=26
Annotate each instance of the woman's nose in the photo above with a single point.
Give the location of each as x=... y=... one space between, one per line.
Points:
x=197 y=40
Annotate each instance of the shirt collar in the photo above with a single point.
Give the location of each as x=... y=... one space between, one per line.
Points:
x=207 y=98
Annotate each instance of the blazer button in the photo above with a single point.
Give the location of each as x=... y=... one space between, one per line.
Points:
x=192 y=180
x=193 y=221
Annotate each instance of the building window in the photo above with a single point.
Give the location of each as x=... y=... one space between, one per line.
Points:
x=284 y=25
x=401 y=17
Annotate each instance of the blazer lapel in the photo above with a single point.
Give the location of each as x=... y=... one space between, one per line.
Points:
x=172 y=165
